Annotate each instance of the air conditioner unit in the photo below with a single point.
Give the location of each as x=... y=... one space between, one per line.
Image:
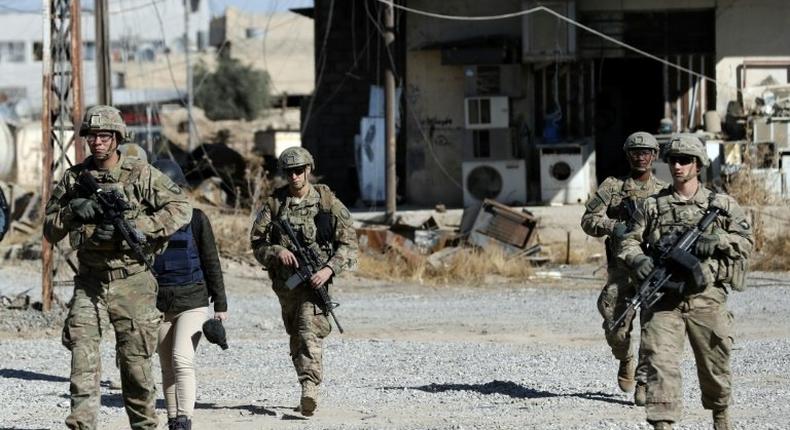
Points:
x=486 y=112
x=502 y=180
x=567 y=172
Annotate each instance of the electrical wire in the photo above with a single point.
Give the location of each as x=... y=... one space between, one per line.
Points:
x=133 y=8
x=411 y=109
x=346 y=75
x=322 y=67
x=569 y=21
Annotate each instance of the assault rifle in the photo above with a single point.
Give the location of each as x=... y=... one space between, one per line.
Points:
x=309 y=264
x=674 y=254
x=113 y=206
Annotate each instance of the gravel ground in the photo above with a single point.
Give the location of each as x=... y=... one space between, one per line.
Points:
x=496 y=356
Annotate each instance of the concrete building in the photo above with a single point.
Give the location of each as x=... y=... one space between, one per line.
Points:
x=280 y=43
x=503 y=92
x=141 y=32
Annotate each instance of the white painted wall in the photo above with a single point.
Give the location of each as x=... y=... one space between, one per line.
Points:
x=130 y=19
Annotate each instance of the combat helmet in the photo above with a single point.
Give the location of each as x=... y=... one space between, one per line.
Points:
x=687 y=144
x=295 y=157
x=103 y=118
x=639 y=140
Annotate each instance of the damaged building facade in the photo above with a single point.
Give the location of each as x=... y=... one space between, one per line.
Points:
x=531 y=109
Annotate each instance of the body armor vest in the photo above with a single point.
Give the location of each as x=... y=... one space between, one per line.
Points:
x=180 y=263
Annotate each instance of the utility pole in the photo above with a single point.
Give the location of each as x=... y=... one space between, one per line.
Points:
x=190 y=96
x=389 y=110
x=102 y=43
x=61 y=115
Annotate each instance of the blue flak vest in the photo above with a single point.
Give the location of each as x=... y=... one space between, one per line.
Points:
x=180 y=263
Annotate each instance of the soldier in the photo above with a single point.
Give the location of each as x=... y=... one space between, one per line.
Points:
x=700 y=310
x=608 y=213
x=112 y=282
x=323 y=224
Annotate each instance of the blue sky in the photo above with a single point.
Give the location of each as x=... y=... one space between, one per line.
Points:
x=216 y=6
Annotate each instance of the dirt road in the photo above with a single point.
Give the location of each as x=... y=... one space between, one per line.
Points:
x=500 y=355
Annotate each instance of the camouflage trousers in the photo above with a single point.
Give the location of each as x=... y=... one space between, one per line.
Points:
x=129 y=305
x=705 y=320
x=306 y=326
x=612 y=302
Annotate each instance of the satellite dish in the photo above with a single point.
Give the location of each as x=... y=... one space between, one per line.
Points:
x=484 y=182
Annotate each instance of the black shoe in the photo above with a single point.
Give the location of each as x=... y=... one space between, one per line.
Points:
x=182 y=423
x=171 y=423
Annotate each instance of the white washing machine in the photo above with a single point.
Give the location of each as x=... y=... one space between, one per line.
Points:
x=502 y=180
x=567 y=172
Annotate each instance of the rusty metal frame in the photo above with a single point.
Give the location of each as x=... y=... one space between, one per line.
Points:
x=61 y=115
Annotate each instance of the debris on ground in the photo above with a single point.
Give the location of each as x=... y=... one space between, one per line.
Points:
x=421 y=238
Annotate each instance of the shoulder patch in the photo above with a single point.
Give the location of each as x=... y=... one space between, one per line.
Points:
x=344 y=214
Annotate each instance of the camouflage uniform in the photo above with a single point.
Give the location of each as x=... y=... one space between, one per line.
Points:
x=703 y=315
x=304 y=322
x=614 y=202
x=113 y=284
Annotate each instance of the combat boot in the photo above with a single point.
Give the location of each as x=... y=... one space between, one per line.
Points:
x=640 y=394
x=309 y=399
x=183 y=423
x=721 y=420
x=662 y=425
x=625 y=375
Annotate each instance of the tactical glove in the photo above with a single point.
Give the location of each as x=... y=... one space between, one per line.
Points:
x=642 y=266
x=619 y=230
x=706 y=245
x=105 y=232
x=85 y=209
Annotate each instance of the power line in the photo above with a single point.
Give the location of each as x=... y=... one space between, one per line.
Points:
x=569 y=21
x=322 y=66
x=411 y=108
x=122 y=11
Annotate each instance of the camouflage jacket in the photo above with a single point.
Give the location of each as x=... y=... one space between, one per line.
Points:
x=610 y=203
x=667 y=215
x=267 y=241
x=158 y=208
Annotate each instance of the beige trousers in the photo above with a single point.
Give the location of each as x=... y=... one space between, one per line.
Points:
x=179 y=335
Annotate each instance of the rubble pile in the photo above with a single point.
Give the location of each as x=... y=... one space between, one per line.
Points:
x=429 y=238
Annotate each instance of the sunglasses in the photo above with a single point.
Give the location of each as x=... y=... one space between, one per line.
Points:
x=295 y=171
x=683 y=160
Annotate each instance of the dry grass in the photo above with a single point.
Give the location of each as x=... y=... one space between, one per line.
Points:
x=774 y=254
x=231 y=233
x=558 y=253
x=749 y=190
x=466 y=266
